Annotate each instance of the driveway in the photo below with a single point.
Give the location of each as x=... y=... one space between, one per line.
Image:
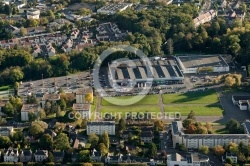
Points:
x=231 y=110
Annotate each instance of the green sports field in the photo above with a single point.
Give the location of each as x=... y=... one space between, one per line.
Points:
x=199 y=110
x=149 y=99
x=206 y=97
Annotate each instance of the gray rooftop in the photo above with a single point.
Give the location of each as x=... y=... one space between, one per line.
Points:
x=196 y=61
x=216 y=136
x=94 y=123
x=140 y=69
x=177 y=127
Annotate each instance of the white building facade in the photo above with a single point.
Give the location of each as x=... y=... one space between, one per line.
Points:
x=98 y=127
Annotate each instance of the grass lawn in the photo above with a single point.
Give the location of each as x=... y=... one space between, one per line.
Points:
x=122 y=110
x=4 y=88
x=149 y=99
x=205 y=97
x=199 y=110
x=93 y=108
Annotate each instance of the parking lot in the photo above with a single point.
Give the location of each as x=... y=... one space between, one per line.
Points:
x=52 y=85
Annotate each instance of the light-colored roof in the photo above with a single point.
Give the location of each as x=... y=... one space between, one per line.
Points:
x=79 y=107
x=51 y=97
x=29 y=107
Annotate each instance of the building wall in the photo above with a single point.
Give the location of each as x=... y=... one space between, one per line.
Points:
x=80 y=99
x=197 y=143
x=99 y=129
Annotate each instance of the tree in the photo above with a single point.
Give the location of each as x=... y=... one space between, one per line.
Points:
x=47 y=107
x=84 y=123
x=41 y=114
x=32 y=116
x=159 y=125
x=204 y=149
x=232 y=148
x=89 y=97
x=170 y=46
x=16 y=87
x=36 y=130
x=23 y=31
x=8 y=109
x=233 y=127
x=230 y=81
x=218 y=150
x=83 y=156
x=93 y=139
x=31 y=99
x=5 y=142
x=105 y=139
x=152 y=150
x=191 y=129
x=62 y=142
x=104 y=150
x=46 y=142
x=122 y=125
x=229 y=160
x=50 y=157
x=16 y=74
x=241 y=157
x=62 y=104
x=182 y=147
x=17 y=136
x=51 y=15
x=187 y=122
x=191 y=115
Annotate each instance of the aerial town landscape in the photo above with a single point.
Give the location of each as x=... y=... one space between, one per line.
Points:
x=125 y=82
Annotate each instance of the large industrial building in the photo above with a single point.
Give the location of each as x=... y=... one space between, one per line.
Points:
x=202 y=64
x=139 y=71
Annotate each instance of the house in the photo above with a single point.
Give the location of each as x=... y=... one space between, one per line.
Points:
x=111 y=9
x=67 y=47
x=58 y=156
x=10 y=155
x=6 y=130
x=146 y=136
x=49 y=97
x=98 y=127
x=241 y=101
x=50 y=132
x=41 y=155
x=74 y=141
x=28 y=108
x=205 y=17
x=81 y=93
x=113 y=159
x=96 y=156
x=83 y=110
x=231 y=156
x=50 y=50
x=74 y=34
x=25 y=156
x=36 y=51
x=187 y=160
x=32 y=14
x=14 y=30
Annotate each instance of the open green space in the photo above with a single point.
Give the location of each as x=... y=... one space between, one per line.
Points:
x=149 y=99
x=206 y=97
x=184 y=110
x=4 y=88
x=122 y=110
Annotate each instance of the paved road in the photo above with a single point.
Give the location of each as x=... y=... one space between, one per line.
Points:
x=232 y=111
